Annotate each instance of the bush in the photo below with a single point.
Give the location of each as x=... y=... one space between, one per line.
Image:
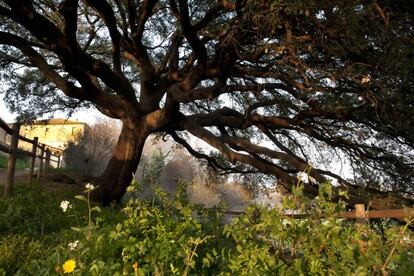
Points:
x=169 y=236
x=21 y=162
x=90 y=152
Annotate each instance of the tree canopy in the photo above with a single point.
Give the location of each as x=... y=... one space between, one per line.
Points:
x=265 y=83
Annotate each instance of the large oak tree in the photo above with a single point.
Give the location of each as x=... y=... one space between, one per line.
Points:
x=262 y=82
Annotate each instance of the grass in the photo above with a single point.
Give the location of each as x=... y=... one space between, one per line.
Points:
x=162 y=237
x=68 y=172
x=28 y=229
x=33 y=226
x=3 y=161
x=20 y=163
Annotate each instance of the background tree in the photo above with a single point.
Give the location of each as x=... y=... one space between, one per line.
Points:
x=256 y=80
x=90 y=153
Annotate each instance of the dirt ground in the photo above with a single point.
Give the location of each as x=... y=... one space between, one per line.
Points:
x=18 y=175
x=53 y=182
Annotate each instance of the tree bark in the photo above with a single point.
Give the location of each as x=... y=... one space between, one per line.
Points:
x=113 y=182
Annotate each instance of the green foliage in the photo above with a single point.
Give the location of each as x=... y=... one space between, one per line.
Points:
x=31 y=211
x=21 y=163
x=17 y=249
x=150 y=168
x=33 y=228
x=268 y=242
x=169 y=236
x=29 y=223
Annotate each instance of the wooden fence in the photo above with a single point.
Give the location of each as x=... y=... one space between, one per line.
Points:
x=360 y=214
x=41 y=151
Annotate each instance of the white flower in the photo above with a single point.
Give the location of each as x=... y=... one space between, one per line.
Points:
x=286 y=222
x=73 y=245
x=89 y=187
x=303 y=177
x=65 y=205
x=326 y=222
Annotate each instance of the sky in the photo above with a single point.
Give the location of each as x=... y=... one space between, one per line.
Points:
x=4 y=112
x=89 y=116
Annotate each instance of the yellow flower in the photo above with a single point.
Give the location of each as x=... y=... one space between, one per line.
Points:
x=135 y=266
x=69 y=266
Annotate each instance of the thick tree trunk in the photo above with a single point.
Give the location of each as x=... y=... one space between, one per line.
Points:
x=123 y=163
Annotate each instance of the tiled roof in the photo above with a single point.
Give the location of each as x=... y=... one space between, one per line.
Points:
x=56 y=121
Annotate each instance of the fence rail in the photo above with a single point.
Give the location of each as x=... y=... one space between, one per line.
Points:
x=360 y=214
x=45 y=156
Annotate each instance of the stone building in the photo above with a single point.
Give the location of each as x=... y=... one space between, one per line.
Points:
x=3 y=136
x=53 y=132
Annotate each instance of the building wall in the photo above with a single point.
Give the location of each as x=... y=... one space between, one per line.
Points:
x=3 y=135
x=55 y=135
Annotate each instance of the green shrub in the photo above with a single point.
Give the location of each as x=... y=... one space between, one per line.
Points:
x=21 y=161
x=266 y=242
x=169 y=236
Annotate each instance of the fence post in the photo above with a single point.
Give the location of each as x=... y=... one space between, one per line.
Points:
x=44 y=161
x=32 y=160
x=58 y=162
x=42 y=153
x=360 y=213
x=11 y=165
x=48 y=153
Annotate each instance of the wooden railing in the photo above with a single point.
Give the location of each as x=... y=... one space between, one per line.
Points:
x=360 y=214
x=45 y=156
